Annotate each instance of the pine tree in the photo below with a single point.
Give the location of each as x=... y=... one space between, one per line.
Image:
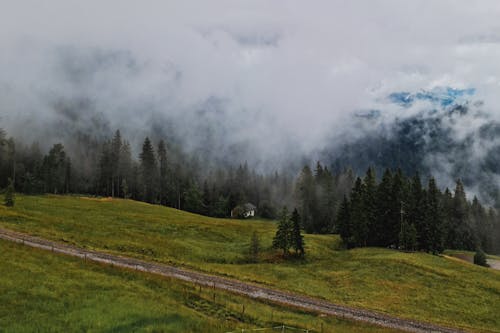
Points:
x=480 y=258
x=297 y=238
x=9 y=194
x=307 y=198
x=384 y=211
x=163 y=172
x=408 y=237
x=398 y=199
x=370 y=204
x=359 y=220
x=434 y=219
x=461 y=235
x=116 y=147
x=344 y=223
x=283 y=240
x=416 y=211
x=148 y=171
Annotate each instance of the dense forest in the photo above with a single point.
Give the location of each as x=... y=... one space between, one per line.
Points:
x=395 y=211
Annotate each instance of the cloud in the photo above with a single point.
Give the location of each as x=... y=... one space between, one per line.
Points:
x=274 y=79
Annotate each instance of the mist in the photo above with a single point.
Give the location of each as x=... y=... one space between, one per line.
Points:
x=266 y=82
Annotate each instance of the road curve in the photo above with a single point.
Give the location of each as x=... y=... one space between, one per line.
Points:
x=231 y=285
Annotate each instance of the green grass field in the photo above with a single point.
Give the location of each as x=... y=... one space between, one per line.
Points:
x=411 y=285
x=46 y=292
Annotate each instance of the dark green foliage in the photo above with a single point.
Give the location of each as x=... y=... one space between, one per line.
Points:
x=384 y=212
x=163 y=172
x=344 y=223
x=434 y=220
x=401 y=213
x=9 y=194
x=297 y=238
x=416 y=211
x=56 y=170
x=194 y=200
x=480 y=258
x=370 y=206
x=358 y=215
x=408 y=237
x=148 y=172
x=283 y=238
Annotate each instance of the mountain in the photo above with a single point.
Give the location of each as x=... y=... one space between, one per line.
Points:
x=443 y=132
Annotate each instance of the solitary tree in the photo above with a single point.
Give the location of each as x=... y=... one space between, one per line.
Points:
x=297 y=238
x=9 y=194
x=480 y=258
x=282 y=239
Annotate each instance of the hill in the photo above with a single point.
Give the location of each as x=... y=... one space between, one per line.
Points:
x=46 y=292
x=410 y=285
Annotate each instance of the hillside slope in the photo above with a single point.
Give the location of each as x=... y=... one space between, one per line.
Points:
x=418 y=286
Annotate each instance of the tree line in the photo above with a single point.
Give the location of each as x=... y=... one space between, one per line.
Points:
x=400 y=212
x=396 y=211
x=160 y=173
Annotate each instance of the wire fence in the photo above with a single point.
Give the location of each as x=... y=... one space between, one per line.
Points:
x=282 y=328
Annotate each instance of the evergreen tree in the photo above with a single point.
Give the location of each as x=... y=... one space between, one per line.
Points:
x=56 y=170
x=434 y=220
x=163 y=172
x=398 y=199
x=9 y=194
x=384 y=212
x=344 y=223
x=416 y=212
x=297 y=238
x=307 y=198
x=283 y=238
x=148 y=171
x=370 y=204
x=359 y=220
x=460 y=234
x=408 y=237
x=480 y=258
x=116 y=147
x=193 y=200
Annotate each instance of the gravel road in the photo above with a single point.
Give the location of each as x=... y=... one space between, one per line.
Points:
x=231 y=285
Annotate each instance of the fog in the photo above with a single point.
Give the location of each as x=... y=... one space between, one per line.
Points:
x=263 y=81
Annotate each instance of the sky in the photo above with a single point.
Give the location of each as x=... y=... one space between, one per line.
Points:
x=277 y=77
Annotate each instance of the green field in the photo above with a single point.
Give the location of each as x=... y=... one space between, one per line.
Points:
x=43 y=292
x=418 y=286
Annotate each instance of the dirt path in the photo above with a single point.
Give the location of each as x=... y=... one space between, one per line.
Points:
x=231 y=285
x=495 y=264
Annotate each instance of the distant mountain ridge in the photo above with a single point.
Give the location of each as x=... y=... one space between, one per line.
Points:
x=449 y=137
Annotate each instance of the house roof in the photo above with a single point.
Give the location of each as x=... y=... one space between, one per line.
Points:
x=248 y=206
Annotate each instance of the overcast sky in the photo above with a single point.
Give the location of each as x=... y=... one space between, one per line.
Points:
x=288 y=68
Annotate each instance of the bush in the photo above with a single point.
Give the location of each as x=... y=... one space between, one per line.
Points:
x=480 y=258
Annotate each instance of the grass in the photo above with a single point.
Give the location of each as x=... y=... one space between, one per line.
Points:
x=411 y=285
x=46 y=292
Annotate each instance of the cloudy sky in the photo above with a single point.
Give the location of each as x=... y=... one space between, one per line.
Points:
x=270 y=71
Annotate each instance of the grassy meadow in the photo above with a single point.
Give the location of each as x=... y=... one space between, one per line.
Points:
x=411 y=285
x=46 y=292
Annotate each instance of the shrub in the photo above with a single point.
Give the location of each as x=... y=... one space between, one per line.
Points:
x=480 y=258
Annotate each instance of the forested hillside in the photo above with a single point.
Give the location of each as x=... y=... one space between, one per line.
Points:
x=398 y=212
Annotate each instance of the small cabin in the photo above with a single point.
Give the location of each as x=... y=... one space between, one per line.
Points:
x=243 y=211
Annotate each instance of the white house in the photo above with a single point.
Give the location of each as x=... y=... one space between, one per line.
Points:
x=246 y=210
